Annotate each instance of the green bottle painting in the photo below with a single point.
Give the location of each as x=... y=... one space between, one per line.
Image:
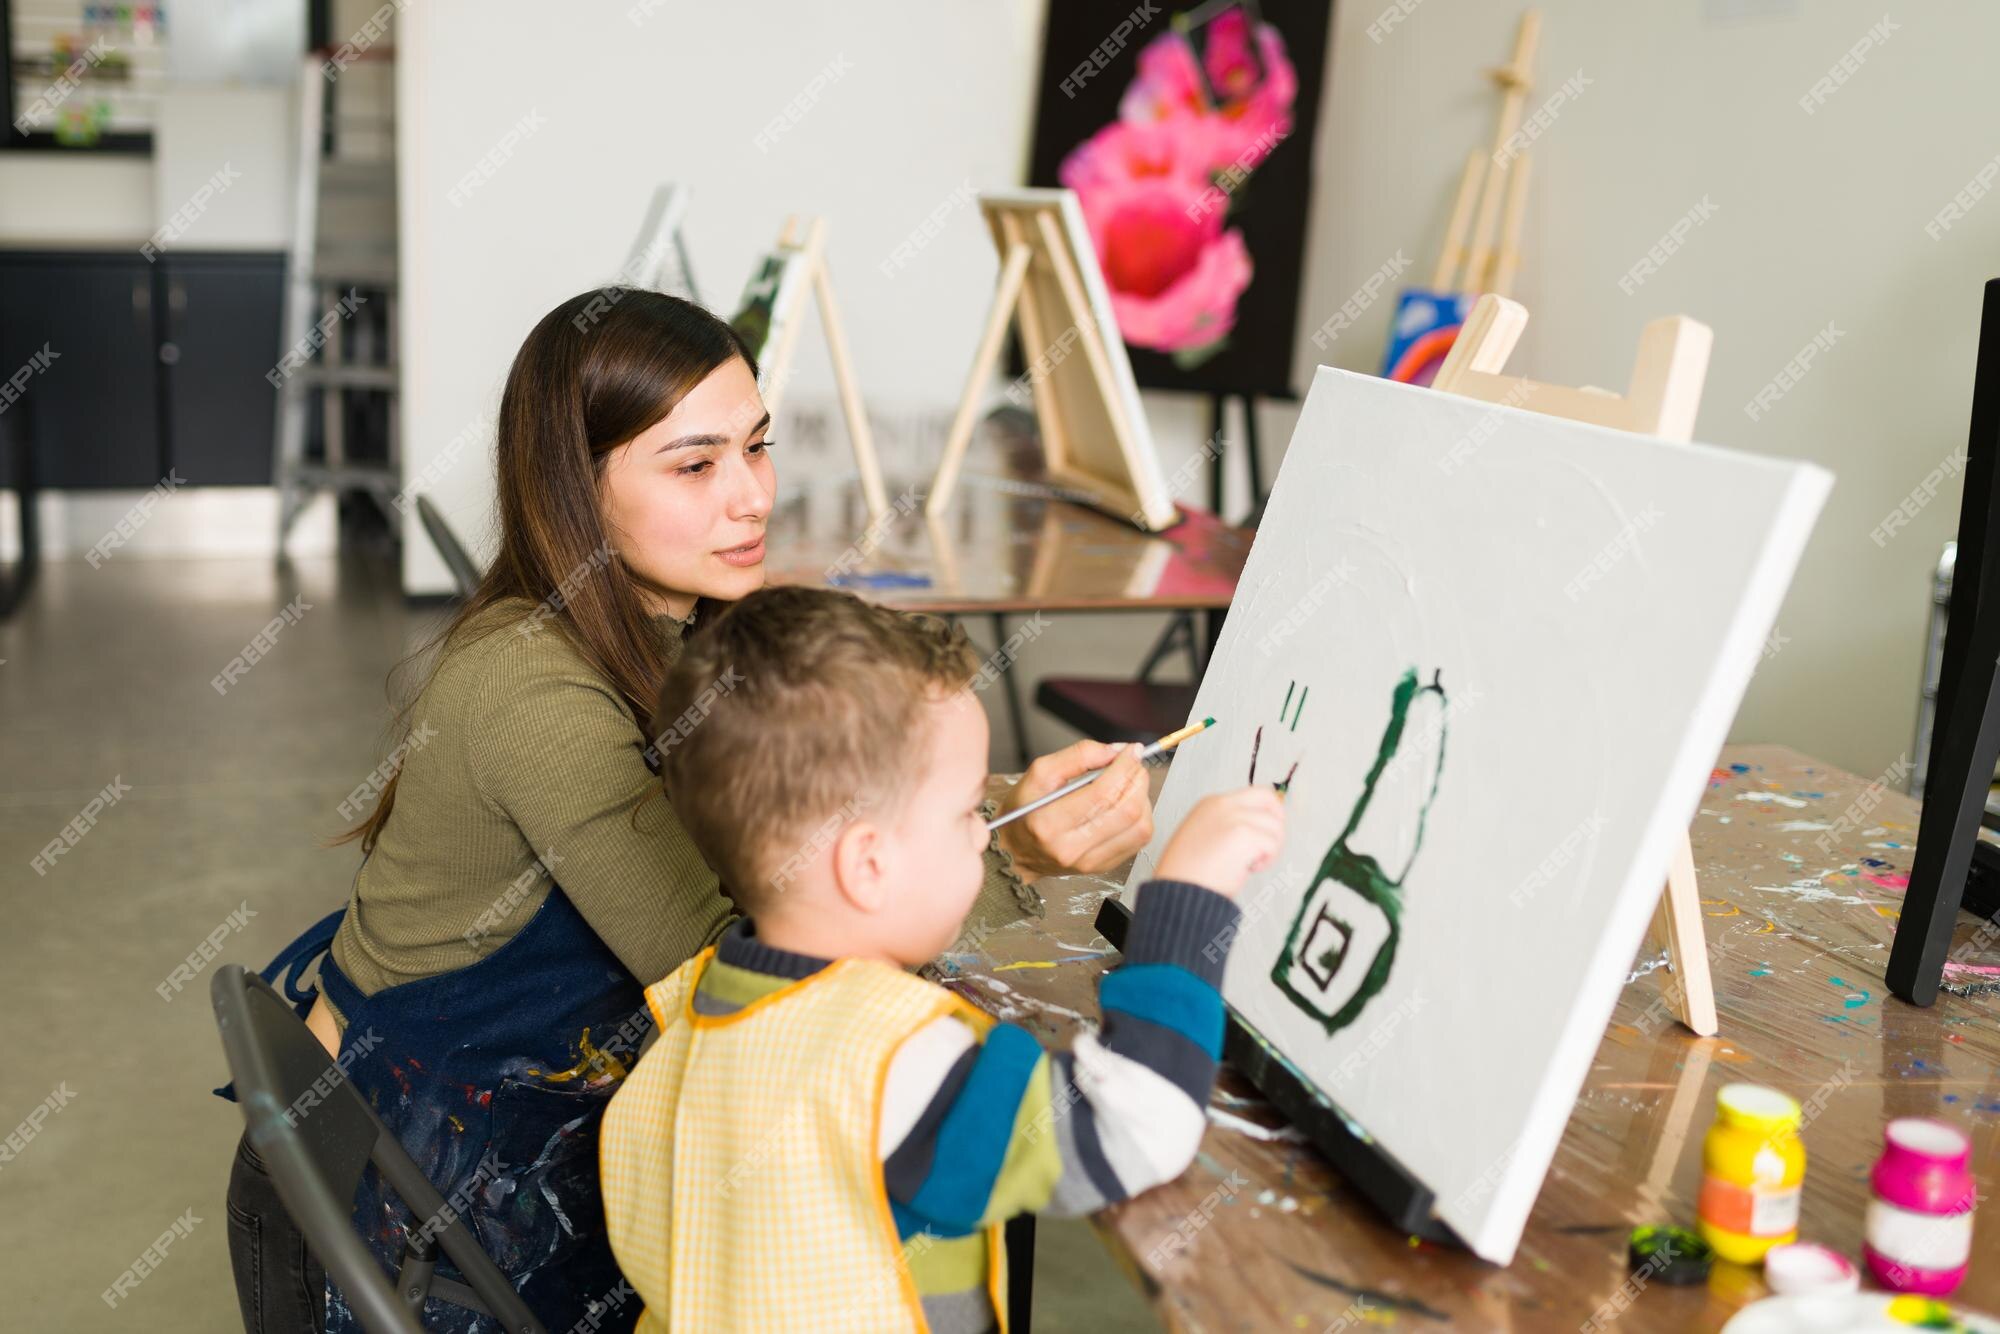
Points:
x=1342 y=944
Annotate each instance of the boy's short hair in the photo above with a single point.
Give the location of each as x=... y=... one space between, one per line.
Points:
x=789 y=714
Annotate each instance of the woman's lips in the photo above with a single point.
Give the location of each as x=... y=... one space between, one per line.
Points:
x=750 y=554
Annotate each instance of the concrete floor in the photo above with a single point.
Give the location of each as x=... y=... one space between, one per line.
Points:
x=223 y=800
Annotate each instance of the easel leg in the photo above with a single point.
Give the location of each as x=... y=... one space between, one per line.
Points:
x=1218 y=419
x=1250 y=453
x=859 y=435
x=1693 y=989
x=1215 y=618
x=1967 y=745
x=997 y=319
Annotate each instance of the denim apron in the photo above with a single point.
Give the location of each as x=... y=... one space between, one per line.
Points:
x=495 y=1078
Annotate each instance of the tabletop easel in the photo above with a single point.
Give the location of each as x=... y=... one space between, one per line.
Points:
x=805 y=238
x=1662 y=399
x=1093 y=435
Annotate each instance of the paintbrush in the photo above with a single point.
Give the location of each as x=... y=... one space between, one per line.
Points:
x=1151 y=752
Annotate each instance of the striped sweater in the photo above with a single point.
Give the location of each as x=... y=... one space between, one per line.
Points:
x=974 y=1132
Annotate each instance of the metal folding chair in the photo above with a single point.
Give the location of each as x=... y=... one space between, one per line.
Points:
x=316 y=1135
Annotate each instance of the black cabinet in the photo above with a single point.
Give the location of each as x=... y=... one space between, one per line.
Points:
x=156 y=367
x=96 y=406
x=221 y=317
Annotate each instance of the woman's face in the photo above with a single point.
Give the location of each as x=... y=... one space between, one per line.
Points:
x=687 y=498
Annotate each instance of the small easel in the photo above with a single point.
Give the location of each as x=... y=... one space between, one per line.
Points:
x=1662 y=399
x=659 y=259
x=1428 y=319
x=1093 y=432
x=803 y=240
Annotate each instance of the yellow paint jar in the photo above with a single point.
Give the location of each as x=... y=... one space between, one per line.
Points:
x=1752 y=1164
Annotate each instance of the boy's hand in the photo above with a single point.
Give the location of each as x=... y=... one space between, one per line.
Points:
x=1225 y=838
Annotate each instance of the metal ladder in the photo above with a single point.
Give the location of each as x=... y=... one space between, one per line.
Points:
x=343 y=242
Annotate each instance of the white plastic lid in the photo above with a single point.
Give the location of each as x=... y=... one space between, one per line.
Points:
x=1932 y=1139
x=1806 y=1267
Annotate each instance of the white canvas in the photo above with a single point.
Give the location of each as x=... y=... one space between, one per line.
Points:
x=1570 y=615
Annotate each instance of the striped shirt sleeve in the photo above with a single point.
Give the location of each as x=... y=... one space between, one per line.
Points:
x=976 y=1132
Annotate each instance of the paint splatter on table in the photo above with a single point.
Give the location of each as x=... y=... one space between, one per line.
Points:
x=1801 y=897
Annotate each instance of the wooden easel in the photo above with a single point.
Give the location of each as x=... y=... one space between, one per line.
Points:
x=1487 y=269
x=1041 y=285
x=1662 y=399
x=1469 y=263
x=806 y=237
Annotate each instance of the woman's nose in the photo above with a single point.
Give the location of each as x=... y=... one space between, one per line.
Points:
x=752 y=493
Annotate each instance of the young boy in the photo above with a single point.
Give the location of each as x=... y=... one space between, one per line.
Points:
x=819 y=1138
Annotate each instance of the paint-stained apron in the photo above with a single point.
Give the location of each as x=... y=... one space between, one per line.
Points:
x=492 y=1079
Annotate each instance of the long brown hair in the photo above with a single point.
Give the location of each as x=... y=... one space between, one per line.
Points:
x=595 y=372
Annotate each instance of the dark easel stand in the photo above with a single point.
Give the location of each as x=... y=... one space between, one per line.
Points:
x=15 y=583
x=1954 y=868
x=1403 y=1200
x=1218 y=416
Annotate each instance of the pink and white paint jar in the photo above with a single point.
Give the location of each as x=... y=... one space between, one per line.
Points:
x=1920 y=1219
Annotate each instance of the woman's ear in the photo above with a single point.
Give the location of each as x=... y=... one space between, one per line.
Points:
x=860 y=870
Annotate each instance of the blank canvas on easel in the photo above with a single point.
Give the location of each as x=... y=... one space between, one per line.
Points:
x=1492 y=655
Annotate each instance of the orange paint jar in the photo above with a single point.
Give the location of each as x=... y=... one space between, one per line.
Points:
x=1752 y=1166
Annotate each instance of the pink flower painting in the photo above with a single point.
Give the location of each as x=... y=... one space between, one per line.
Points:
x=1157 y=185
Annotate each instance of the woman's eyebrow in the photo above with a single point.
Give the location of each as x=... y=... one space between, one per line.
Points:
x=710 y=439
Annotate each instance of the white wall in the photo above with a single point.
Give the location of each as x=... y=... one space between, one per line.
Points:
x=930 y=97
x=47 y=199
x=1817 y=218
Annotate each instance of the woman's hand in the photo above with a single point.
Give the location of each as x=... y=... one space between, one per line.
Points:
x=1092 y=829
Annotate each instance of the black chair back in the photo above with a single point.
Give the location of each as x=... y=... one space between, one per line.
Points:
x=316 y=1136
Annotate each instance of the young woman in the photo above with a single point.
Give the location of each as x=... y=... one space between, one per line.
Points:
x=522 y=877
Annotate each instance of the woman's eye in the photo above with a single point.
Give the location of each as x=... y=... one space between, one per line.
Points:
x=694 y=469
x=763 y=445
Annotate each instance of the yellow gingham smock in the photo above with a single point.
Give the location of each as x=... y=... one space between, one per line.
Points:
x=741 y=1171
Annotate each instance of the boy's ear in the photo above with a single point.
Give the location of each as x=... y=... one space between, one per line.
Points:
x=860 y=872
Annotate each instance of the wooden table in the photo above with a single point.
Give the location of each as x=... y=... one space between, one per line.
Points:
x=1798 y=937
x=1006 y=547
x=1003 y=548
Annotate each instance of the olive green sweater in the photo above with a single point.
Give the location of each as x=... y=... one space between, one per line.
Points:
x=525 y=766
